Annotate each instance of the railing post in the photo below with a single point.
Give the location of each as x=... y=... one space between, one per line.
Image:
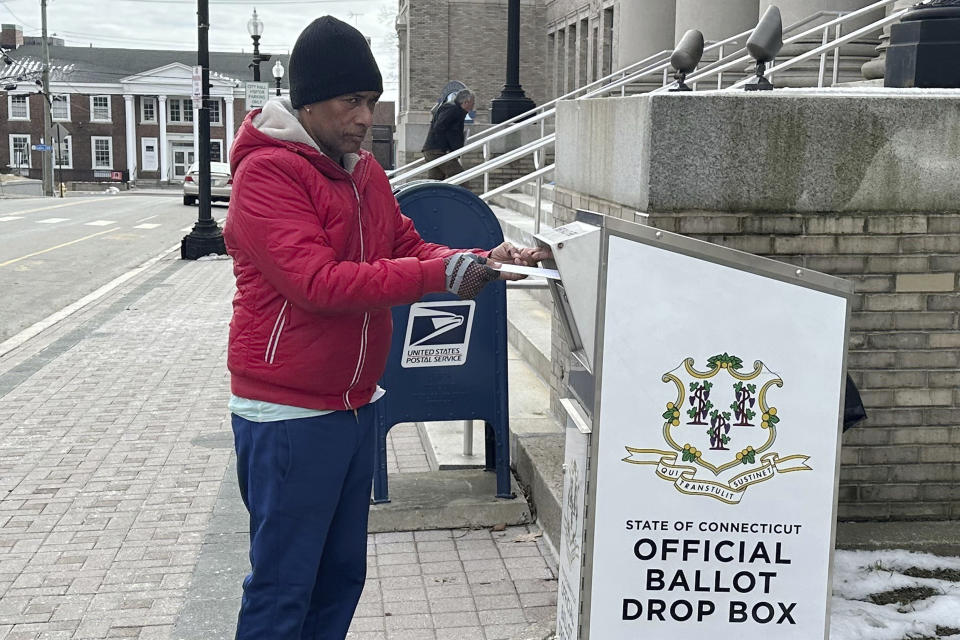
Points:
x=538 y=197
x=720 y=74
x=468 y=437
x=623 y=87
x=836 y=56
x=486 y=174
x=823 y=57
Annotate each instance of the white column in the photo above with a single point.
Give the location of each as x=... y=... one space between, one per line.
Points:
x=164 y=160
x=196 y=132
x=558 y=42
x=645 y=27
x=228 y=125
x=131 y=136
x=717 y=19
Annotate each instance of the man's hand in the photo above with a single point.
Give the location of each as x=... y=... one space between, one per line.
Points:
x=467 y=274
x=506 y=253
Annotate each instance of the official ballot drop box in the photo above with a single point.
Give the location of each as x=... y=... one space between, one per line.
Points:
x=703 y=435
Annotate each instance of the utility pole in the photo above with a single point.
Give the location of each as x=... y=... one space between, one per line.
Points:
x=47 y=156
x=206 y=236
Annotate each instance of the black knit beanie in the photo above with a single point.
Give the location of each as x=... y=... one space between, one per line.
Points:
x=331 y=58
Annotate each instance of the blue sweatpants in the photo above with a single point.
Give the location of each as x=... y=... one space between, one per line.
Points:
x=306 y=484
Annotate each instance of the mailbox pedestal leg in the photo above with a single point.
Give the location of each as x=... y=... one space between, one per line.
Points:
x=380 y=491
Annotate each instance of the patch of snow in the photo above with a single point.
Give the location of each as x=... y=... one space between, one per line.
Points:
x=859 y=574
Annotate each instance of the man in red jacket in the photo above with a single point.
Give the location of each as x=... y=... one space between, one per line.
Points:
x=321 y=252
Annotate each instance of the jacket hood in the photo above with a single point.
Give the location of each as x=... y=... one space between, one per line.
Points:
x=277 y=125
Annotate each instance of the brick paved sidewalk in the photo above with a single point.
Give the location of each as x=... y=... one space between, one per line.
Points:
x=114 y=447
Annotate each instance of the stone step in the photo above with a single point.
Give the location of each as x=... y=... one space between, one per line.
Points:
x=536 y=438
x=528 y=329
x=517 y=227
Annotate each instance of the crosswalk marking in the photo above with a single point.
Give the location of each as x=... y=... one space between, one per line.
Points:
x=148 y=225
x=9 y=218
x=99 y=223
x=52 y=220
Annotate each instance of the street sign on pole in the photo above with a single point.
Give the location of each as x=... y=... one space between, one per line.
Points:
x=257 y=94
x=197 y=92
x=41 y=147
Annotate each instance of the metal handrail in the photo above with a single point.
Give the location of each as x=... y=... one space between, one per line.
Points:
x=516 y=183
x=835 y=44
x=839 y=20
x=471 y=146
x=409 y=165
x=621 y=79
x=720 y=44
x=526 y=114
x=501 y=160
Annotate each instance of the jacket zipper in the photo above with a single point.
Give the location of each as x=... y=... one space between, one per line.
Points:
x=362 y=356
x=274 y=340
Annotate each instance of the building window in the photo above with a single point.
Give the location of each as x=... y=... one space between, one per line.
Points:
x=64 y=159
x=180 y=110
x=148 y=109
x=18 y=107
x=100 y=109
x=215 y=112
x=101 y=147
x=20 y=151
x=60 y=107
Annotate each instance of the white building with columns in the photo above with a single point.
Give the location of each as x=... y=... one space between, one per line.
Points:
x=128 y=112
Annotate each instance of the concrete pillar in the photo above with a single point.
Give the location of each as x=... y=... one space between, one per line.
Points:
x=716 y=19
x=131 y=136
x=874 y=69
x=164 y=159
x=644 y=28
x=228 y=124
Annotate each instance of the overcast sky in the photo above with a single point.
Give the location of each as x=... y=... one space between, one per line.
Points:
x=172 y=24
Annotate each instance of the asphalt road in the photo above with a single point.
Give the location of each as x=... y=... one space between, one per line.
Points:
x=55 y=251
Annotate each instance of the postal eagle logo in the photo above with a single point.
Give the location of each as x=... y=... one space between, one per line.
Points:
x=721 y=424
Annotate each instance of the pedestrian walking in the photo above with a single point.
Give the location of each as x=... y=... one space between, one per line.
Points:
x=321 y=252
x=446 y=134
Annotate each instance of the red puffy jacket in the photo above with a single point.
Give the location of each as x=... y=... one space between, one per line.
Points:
x=320 y=255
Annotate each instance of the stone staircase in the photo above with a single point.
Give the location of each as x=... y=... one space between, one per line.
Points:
x=536 y=436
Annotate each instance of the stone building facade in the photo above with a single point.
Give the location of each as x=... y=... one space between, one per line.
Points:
x=465 y=40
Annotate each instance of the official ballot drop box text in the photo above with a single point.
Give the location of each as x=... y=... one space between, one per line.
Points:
x=703 y=436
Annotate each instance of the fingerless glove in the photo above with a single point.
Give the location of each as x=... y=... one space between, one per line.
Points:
x=467 y=274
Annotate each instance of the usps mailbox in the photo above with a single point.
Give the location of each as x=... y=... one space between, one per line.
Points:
x=704 y=411
x=448 y=357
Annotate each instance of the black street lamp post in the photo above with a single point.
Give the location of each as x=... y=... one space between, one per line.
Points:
x=255 y=29
x=278 y=74
x=512 y=100
x=205 y=237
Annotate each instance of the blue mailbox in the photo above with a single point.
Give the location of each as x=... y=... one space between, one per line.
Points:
x=448 y=357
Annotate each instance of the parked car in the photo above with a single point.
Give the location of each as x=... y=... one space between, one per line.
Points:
x=220 y=183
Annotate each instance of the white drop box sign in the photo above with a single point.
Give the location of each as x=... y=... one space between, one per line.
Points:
x=714 y=451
